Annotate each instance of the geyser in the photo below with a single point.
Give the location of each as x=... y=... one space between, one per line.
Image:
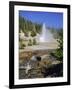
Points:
x=46 y=35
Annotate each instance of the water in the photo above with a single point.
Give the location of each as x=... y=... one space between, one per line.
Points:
x=28 y=67
x=46 y=35
x=45 y=41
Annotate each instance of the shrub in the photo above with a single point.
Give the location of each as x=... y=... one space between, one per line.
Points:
x=33 y=33
x=34 y=42
x=30 y=43
x=59 y=51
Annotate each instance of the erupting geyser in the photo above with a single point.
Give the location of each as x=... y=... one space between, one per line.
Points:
x=46 y=35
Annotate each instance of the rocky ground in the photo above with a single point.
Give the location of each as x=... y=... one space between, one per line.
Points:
x=48 y=66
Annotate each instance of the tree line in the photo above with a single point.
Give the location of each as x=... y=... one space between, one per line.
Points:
x=28 y=26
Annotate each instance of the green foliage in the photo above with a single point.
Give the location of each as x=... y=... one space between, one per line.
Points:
x=27 y=26
x=38 y=28
x=33 y=33
x=20 y=23
x=59 y=52
x=30 y=43
x=56 y=32
x=24 y=45
x=34 y=42
x=21 y=45
x=26 y=33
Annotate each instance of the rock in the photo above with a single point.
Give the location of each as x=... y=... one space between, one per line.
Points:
x=38 y=58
